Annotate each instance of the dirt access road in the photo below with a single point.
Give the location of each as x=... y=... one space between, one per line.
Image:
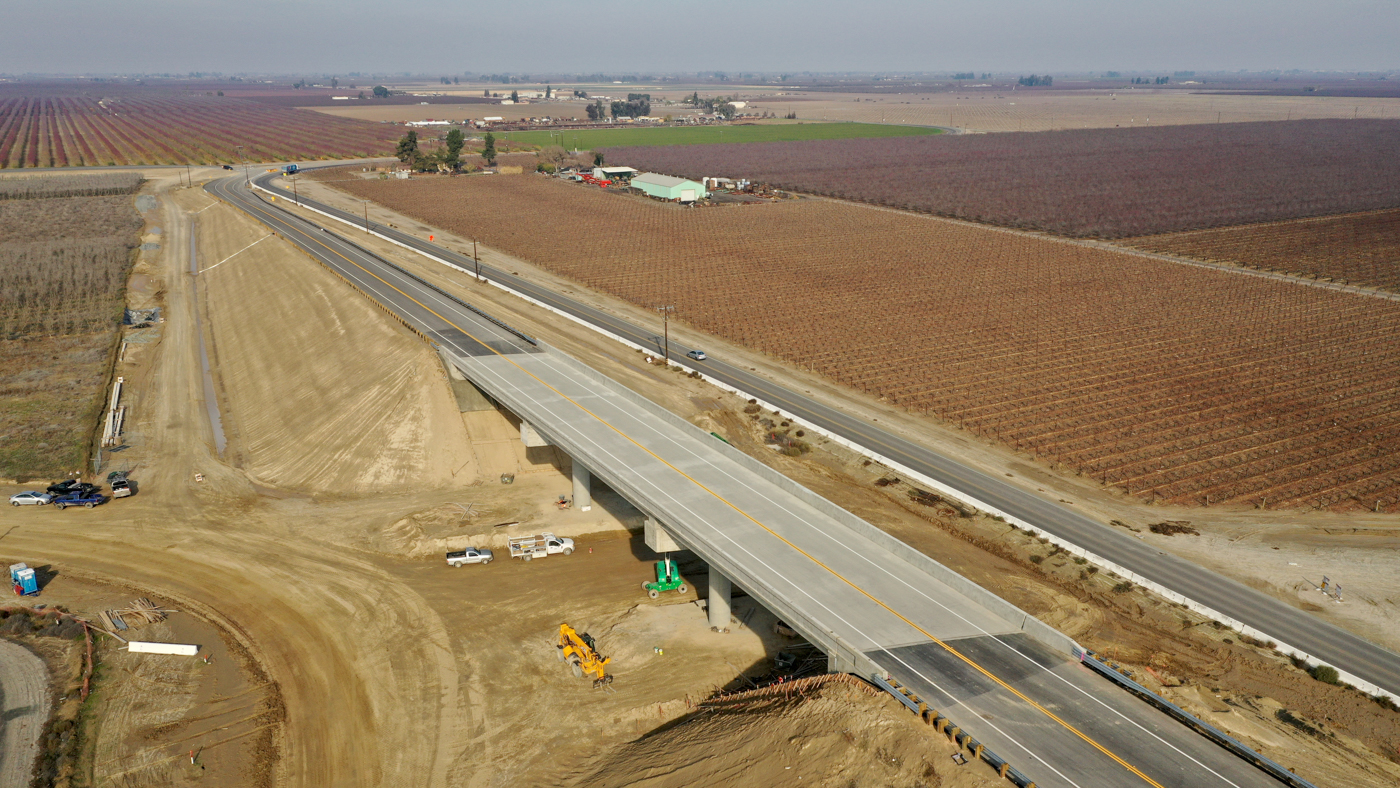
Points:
x=308 y=545
x=24 y=706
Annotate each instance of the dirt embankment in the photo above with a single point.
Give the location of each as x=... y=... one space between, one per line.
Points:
x=833 y=734
x=321 y=392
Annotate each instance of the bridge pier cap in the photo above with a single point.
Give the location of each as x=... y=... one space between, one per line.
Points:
x=658 y=539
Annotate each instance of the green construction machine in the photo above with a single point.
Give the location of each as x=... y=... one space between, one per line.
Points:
x=668 y=578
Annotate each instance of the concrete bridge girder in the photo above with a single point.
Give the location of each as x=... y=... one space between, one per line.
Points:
x=842 y=656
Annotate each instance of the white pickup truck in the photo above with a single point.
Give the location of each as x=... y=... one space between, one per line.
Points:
x=471 y=555
x=541 y=545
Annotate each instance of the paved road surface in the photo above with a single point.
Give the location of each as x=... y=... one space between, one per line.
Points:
x=1281 y=621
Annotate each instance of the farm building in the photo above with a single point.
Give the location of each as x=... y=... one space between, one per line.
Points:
x=613 y=173
x=667 y=188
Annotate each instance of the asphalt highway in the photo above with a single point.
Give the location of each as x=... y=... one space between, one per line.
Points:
x=1280 y=621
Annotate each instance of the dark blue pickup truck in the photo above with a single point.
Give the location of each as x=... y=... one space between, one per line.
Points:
x=88 y=499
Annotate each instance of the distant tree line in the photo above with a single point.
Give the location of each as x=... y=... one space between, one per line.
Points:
x=1154 y=81
x=718 y=106
x=1036 y=81
x=636 y=105
x=445 y=158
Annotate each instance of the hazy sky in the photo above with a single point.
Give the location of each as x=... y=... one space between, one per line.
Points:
x=325 y=36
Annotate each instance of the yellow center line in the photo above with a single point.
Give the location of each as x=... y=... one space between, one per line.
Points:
x=1085 y=737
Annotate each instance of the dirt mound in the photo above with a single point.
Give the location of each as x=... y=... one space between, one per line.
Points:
x=836 y=735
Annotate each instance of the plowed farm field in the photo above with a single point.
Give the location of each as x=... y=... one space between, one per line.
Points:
x=1174 y=383
x=1359 y=249
x=44 y=125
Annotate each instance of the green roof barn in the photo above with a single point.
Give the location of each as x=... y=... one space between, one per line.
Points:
x=667 y=188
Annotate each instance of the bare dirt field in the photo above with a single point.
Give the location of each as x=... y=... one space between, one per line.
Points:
x=456 y=112
x=1360 y=249
x=1007 y=110
x=973 y=109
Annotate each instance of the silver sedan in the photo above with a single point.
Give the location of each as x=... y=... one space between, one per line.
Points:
x=30 y=497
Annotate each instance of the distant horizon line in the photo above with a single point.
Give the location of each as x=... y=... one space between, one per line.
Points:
x=719 y=75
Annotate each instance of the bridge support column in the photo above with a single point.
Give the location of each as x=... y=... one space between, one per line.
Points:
x=583 y=487
x=719 y=601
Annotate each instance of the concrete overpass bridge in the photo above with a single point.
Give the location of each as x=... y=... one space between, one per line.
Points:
x=997 y=679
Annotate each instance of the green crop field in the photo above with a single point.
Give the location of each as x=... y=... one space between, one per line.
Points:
x=588 y=139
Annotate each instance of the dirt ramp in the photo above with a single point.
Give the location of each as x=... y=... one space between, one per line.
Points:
x=834 y=733
x=322 y=391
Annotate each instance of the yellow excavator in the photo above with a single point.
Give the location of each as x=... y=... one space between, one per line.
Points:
x=581 y=652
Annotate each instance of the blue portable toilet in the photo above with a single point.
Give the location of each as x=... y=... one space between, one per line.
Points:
x=26 y=584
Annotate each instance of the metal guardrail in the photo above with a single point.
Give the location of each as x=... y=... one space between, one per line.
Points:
x=955 y=734
x=1116 y=675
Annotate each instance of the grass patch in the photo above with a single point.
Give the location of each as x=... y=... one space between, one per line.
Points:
x=1325 y=674
x=589 y=139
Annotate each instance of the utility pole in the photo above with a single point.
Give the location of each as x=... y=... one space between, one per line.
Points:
x=476 y=257
x=188 y=177
x=295 y=196
x=247 y=179
x=366 y=202
x=666 y=330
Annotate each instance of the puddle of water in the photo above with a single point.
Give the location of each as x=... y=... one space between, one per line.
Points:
x=211 y=402
x=149 y=247
x=154 y=231
x=145 y=202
